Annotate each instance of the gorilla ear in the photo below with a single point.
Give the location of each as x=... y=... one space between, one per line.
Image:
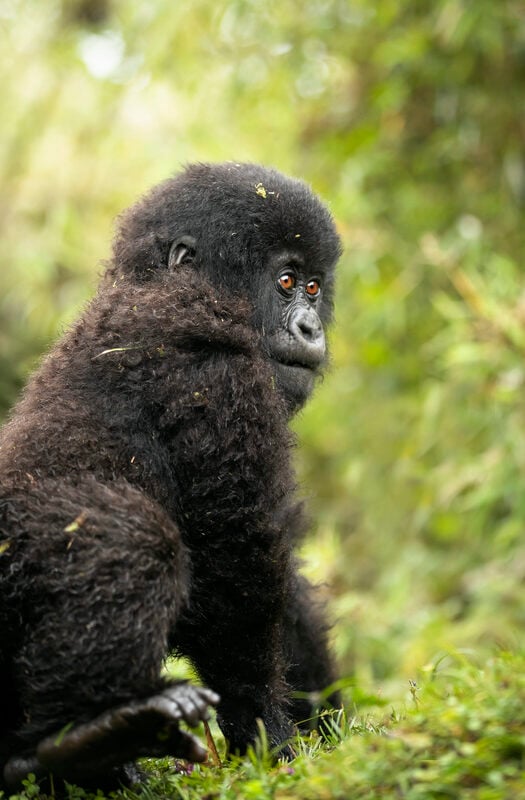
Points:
x=182 y=251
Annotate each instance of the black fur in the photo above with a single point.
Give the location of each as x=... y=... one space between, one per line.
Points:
x=146 y=492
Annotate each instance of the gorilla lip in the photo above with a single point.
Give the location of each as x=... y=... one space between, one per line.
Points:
x=300 y=357
x=306 y=361
x=295 y=365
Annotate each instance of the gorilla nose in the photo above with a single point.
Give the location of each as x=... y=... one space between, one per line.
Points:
x=306 y=329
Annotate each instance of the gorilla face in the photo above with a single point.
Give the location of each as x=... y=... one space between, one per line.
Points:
x=294 y=339
x=252 y=232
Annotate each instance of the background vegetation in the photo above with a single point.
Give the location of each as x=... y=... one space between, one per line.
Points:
x=409 y=119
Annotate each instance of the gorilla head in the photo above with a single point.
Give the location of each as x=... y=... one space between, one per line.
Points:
x=252 y=232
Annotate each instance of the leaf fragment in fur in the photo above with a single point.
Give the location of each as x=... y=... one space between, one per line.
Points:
x=62 y=733
x=76 y=524
x=118 y=350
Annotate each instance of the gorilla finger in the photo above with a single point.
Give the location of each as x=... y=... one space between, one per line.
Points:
x=191 y=712
x=166 y=707
x=202 y=704
x=190 y=701
x=210 y=697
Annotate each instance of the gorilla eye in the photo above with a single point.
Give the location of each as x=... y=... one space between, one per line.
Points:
x=287 y=282
x=313 y=288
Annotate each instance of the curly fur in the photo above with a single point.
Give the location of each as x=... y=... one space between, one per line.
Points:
x=146 y=492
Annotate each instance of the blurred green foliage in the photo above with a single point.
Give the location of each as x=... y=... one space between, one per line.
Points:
x=409 y=118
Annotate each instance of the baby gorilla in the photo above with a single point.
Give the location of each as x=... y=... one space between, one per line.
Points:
x=147 y=497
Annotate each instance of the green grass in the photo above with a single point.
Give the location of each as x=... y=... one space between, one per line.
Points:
x=460 y=733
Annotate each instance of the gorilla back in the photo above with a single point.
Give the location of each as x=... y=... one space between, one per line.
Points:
x=146 y=494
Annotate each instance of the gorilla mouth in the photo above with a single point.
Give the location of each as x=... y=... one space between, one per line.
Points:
x=296 y=354
x=300 y=360
x=295 y=365
x=298 y=376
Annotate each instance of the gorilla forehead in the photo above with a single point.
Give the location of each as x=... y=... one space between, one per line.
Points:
x=237 y=199
x=237 y=213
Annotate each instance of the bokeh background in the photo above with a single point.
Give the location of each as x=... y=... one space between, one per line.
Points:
x=409 y=119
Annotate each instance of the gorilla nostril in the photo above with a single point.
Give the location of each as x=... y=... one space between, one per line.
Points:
x=305 y=325
x=309 y=332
